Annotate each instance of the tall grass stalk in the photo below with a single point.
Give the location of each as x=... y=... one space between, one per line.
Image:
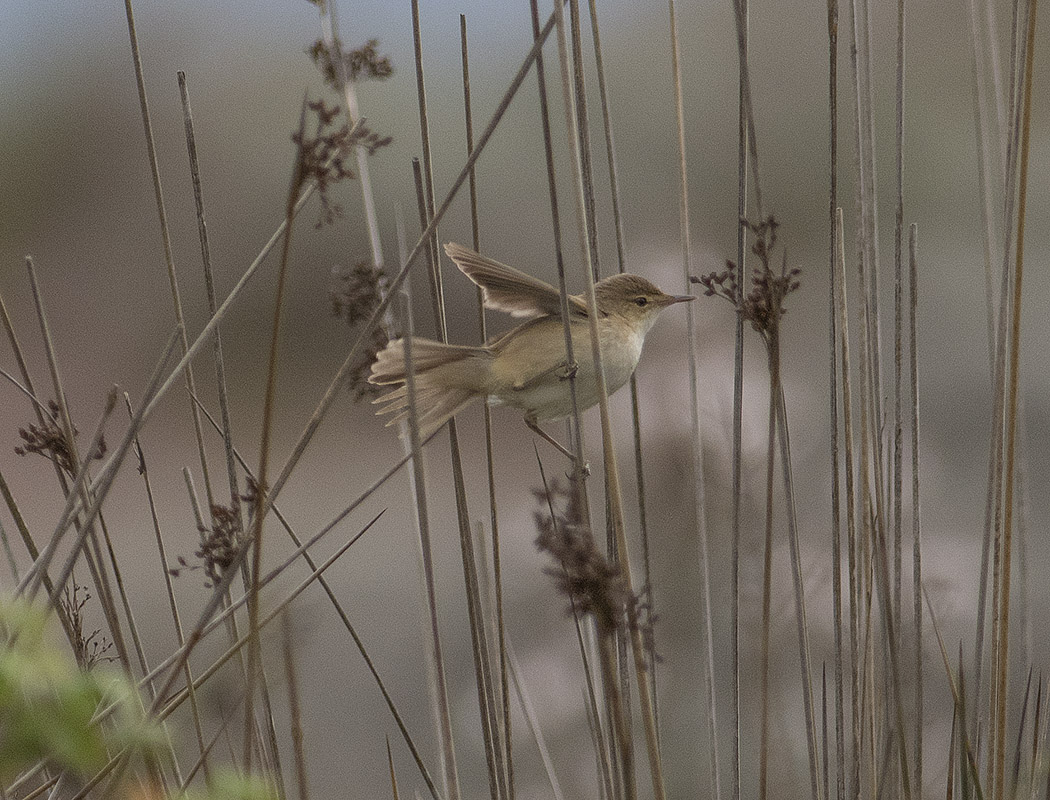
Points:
x=254 y=677
x=916 y=499
x=330 y=36
x=777 y=389
x=967 y=754
x=317 y=574
x=767 y=591
x=478 y=636
x=99 y=489
x=436 y=663
x=741 y=17
x=696 y=440
x=169 y=259
x=503 y=717
x=985 y=173
x=868 y=230
x=898 y=330
x=636 y=424
x=39 y=410
x=209 y=286
x=533 y=723
x=291 y=677
x=1018 y=51
x=89 y=538
x=166 y=704
x=853 y=556
x=833 y=403
x=393 y=775
x=609 y=784
x=1014 y=380
x=579 y=463
x=169 y=591
x=615 y=502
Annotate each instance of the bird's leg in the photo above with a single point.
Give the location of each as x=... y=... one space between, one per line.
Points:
x=586 y=469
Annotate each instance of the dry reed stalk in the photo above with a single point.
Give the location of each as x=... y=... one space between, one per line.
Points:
x=169 y=259
x=1002 y=646
x=614 y=497
x=916 y=505
x=209 y=286
x=833 y=402
x=478 y=638
x=436 y=663
x=503 y=718
x=696 y=440
x=169 y=591
x=855 y=579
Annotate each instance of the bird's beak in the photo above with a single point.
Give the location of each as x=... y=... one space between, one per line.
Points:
x=671 y=299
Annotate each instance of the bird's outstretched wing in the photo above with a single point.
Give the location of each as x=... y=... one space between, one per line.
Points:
x=510 y=290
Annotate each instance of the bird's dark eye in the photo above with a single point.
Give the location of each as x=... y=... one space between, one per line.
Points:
x=641 y=302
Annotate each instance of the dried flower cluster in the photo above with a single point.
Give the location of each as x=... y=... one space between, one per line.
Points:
x=358 y=290
x=91 y=649
x=763 y=306
x=584 y=575
x=364 y=62
x=48 y=440
x=221 y=542
x=322 y=154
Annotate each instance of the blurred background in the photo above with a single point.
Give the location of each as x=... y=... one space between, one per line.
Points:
x=77 y=196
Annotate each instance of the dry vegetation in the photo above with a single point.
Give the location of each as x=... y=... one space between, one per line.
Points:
x=69 y=728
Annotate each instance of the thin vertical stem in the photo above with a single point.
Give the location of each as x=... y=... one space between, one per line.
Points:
x=302 y=550
x=209 y=285
x=330 y=32
x=170 y=593
x=741 y=7
x=448 y=752
x=1014 y=381
x=531 y=720
x=836 y=500
x=767 y=599
x=916 y=507
x=898 y=332
x=263 y=491
x=478 y=636
x=621 y=260
x=504 y=694
x=851 y=525
x=696 y=439
x=294 y=710
x=993 y=535
x=984 y=172
x=824 y=726
x=92 y=553
x=169 y=259
x=776 y=387
x=615 y=502
x=570 y=356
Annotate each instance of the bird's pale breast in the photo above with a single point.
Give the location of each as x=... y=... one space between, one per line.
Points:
x=528 y=372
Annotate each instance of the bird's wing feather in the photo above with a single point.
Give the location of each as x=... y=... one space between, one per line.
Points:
x=510 y=290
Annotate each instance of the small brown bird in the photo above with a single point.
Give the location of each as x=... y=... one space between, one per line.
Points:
x=526 y=367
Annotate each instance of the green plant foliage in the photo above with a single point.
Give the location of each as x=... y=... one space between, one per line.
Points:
x=47 y=704
x=228 y=785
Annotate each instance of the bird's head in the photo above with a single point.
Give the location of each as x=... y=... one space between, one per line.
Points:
x=633 y=299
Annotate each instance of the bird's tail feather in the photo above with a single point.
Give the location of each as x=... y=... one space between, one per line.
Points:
x=447 y=378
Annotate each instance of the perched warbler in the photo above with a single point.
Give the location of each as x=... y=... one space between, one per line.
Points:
x=525 y=368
